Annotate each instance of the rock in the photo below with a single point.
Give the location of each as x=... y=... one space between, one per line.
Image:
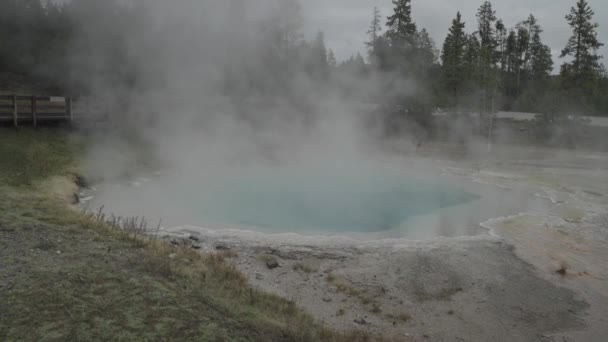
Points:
x=259 y=276
x=195 y=238
x=272 y=264
x=197 y=246
x=327 y=300
x=361 y=321
x=222 y=248
x=182 y=242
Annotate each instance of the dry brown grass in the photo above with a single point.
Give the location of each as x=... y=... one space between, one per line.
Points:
x=362 y=295
x=305 y=267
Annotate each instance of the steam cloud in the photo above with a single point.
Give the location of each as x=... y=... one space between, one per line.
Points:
x=230 y=90
x=223 y=82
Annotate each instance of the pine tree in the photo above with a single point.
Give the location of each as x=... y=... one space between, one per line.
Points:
x=320 y=66
x=472 y=59
x=488 y=57
x=401 y=27
x=374 y=32
x=384 y=59
x=522 y=56
x=486 y=17
x=516 y=48
x=359 y=61
x=540 y=59
x=580 y=78
x=331 y=59
x=453 y=61
x=511 y=53
x=425 y=55
x=501 y=39
x=287 y=25
x=582 y=45
x=533 y=93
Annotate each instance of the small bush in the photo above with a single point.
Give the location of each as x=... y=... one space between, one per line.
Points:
x=304 y=267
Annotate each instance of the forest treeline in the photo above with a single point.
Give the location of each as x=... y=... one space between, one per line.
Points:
x=481 y=67
x=487 y=66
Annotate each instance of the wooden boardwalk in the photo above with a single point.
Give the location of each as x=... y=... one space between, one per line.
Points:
x=17 y=110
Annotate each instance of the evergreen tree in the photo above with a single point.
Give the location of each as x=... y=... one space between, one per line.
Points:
x=426 y=52
x=383 y=54
x=453 y=70
x=374 y=32
x=285 y=29
x=521 y=57
x=540 y=60
x=486 y=19
x=471 y=70
x=331 y=59
x=488 y=57
x=319 y=60
x=401 y=27
x=402 y=34
x=535 y=88
x=501 y=40
x=354 y=65
x=581 y=74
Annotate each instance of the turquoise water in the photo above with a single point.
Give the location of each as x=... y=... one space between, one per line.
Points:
x=327 y=202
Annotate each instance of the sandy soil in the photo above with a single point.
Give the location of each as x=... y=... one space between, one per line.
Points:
x=534 y=276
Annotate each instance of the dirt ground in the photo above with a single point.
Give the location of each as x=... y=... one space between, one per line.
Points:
x=533 y=276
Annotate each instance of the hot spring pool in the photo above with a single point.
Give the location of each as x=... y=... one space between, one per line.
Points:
x=323 y=203
x=378 y=202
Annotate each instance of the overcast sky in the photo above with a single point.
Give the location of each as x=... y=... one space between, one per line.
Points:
x=345 y=22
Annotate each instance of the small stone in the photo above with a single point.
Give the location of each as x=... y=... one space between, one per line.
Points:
x=327 y=300
x=272 y=264
x=58 y=252
x=195 y=238
x=259 y=276
x=361 y=321
x=172 y=256
x=222 y=248
x=197 y=246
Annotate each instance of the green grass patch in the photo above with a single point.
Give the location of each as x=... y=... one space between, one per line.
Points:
x=65 y=276
x=28 y=155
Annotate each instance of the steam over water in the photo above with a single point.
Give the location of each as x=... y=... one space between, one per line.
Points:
x=255 y=131
x=322 y=201
x=371 y=200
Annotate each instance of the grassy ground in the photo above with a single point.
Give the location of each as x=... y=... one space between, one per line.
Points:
x=66 y=277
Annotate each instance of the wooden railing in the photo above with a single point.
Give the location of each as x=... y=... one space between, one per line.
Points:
x=36 y=110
